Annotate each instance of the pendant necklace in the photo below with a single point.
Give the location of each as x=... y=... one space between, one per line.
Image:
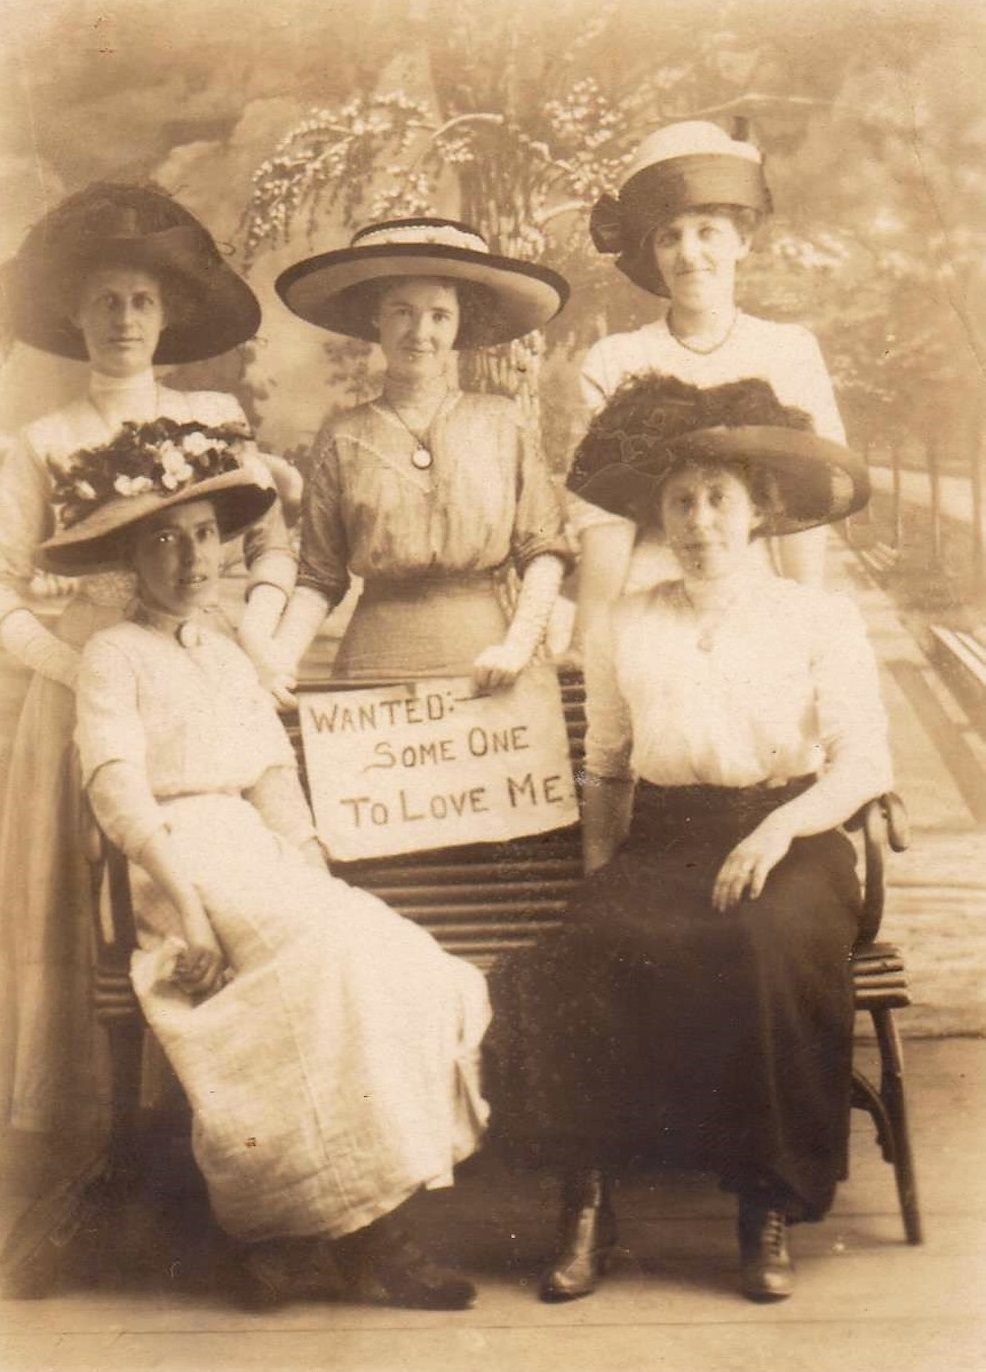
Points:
x=421 y=457
x=707 y=630
x=695 y=348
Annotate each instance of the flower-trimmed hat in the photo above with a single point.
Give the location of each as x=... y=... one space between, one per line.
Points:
x=681 y=167
x=330 y=290
x=118 y=224
x=100 y=493
x=655 y=424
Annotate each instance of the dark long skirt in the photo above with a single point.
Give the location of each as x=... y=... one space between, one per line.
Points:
x=652 y=1030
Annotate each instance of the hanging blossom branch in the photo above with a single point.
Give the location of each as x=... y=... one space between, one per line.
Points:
x=384 y=156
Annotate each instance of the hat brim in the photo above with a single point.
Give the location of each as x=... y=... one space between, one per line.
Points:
x=326 y=290
x=97 y=543
x=219 y=310
x=819 y=481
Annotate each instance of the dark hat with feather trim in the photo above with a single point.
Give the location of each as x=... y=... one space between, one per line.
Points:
x=655 y=424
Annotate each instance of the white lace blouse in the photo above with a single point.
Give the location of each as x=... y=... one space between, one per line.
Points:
x=781 y=686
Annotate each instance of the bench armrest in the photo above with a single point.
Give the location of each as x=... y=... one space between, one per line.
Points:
x=883 y=822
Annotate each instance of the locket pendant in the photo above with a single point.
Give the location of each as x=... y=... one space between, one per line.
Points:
x=421 y=458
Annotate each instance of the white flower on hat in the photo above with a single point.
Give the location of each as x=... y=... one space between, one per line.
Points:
x=130 y=485
x=174 y=466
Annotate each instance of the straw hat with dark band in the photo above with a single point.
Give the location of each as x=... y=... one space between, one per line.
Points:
x=101 y=493
x=654 y=424
x=331 y=289
x=112 y=224
x=682 y=167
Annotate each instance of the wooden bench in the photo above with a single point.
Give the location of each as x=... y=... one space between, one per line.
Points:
x=961 y=659
x=479 y=901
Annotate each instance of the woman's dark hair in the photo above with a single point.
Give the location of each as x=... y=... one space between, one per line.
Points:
x=761 y=485
x=477 y=303
x=176 y=293
x=746 y=220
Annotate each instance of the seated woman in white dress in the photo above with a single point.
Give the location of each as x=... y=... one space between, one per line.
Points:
x=327 y=1046
x=695 y=1007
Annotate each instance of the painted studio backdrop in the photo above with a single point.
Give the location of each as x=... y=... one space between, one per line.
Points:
x=286 y=126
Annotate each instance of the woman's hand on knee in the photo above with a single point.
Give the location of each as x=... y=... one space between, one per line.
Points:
x=744 y=873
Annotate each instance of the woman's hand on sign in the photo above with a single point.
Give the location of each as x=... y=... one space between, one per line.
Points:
x=746 y=869
x=277 y=673
x=314 y=852
x=499 y=666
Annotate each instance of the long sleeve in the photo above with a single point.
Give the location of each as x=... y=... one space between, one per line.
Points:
x=811 y=386
x=852 y=722
x=609 y=737
x=113 y=749
x=25 y=521
x=324 y=543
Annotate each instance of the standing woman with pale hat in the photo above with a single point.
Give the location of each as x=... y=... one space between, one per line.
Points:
x=123 y=277
x=427 y=492
x=681 y=226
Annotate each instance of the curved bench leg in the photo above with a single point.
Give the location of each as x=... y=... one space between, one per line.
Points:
x=892 y=1093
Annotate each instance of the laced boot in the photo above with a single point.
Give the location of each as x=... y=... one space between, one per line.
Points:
x=767 y=1273
x=383 y=1265
x=586 y=1237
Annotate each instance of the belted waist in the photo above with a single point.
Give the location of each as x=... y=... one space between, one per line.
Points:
x=698 y=806
x=414 y=584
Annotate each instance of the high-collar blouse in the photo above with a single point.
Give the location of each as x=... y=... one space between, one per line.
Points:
x=778 y=686
x=487 y=499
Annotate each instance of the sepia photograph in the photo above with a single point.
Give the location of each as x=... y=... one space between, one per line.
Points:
x=492 y=685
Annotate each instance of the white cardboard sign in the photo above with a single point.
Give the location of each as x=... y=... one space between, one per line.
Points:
x=427 y=764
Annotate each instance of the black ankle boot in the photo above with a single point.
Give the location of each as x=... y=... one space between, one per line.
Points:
x=586 y=1240
x=767 y=1273
x=383 y=1265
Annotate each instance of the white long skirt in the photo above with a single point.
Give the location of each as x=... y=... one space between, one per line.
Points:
x=338 y=1071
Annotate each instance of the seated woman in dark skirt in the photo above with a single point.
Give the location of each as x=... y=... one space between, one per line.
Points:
x=696 y=1008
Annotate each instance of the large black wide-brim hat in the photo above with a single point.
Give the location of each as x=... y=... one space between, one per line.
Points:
x=655 y=424
x=333 y=290
x=112 y=224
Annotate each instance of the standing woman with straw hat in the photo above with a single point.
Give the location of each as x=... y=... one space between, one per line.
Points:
x=123 y=277
x=681 y=226
x=427 y=492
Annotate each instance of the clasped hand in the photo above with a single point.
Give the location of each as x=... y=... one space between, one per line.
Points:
x=499 y=666
x=746 y=869
x=198 y=967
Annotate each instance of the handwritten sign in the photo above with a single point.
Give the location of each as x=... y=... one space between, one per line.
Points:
x=427 y=764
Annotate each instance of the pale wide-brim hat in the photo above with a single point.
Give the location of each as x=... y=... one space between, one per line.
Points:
x=331 y=291
x=113 y=224
x=102 y=493
x=654 y=424
x=681 y=167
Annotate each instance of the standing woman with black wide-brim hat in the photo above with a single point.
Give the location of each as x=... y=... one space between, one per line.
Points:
x=683 y=222
x=124 y=277
x=428 y=491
